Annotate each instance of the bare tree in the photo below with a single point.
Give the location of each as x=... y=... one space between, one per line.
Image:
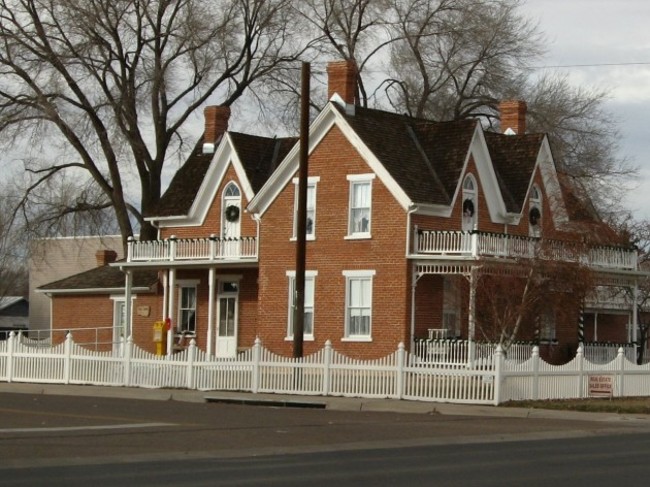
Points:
x=515 y=301
x=113 y=82
x=13 y=267
x=458 y=59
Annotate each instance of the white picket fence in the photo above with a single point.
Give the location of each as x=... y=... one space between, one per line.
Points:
x=400 y=375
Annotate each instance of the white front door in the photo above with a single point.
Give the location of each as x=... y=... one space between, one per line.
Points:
x=119 y=325
x=227 y=315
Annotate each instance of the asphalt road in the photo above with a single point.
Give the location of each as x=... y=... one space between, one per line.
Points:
x=71 y=440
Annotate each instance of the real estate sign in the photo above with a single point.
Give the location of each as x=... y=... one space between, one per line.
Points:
x=601 y=385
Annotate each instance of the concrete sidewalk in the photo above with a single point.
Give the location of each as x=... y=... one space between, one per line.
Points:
x=331 y=403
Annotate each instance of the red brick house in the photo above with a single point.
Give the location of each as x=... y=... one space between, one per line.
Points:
x=400 y=212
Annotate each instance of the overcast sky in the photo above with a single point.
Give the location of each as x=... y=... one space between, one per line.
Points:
x=607 y=32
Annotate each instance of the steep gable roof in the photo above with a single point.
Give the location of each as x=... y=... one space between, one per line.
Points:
x=260 y=156
x=514 y=158
x=182 y=190
x=257 y=155
x=425 y=158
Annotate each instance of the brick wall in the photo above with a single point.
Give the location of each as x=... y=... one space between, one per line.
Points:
x=330 y=254
x=212 y=223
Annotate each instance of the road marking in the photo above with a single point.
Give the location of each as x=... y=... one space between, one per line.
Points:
x=62 y=429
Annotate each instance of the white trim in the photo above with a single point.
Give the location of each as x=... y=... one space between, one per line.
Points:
x=361 y=177
x=326 y=119
x=291 y=275
x=357 y=275
x=225 y=155
x=312 y=182
x=354 y=181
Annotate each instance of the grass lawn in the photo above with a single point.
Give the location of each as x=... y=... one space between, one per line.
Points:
x=630 y=405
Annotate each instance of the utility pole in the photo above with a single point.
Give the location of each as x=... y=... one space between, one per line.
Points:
x=301 y=225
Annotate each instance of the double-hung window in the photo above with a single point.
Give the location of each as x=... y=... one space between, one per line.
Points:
x=310 y=228
x=358 y=305
x=187 y=309
x=308 y=324
x=360 y=214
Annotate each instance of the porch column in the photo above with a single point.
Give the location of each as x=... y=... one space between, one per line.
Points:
x=414 y=282
x=170 y=311
x=471 y=325
x=165 y=295
x=211 y=289
x=128 y=291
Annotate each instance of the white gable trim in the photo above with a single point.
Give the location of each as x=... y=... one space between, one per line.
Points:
x=551 y=182
x=486 y=179
x=207 y=193
x=317 y=131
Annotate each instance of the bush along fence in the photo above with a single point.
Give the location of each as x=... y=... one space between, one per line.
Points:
x=400 y=375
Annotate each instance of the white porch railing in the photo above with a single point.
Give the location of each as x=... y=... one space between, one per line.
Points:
x=182 y=249
x=481 y=244
x=399 y=375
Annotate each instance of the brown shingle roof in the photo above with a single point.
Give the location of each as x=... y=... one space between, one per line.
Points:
x=105 y=277
x=425 y=158
x=259 y=156
x=514 y=158
x=180 y=194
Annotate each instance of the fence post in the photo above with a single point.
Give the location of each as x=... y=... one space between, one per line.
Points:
x=580 y=357
x=498 y=373
x=10 y=356
x=400 y=371
x=191 y=357
x=67 y=352
x=257 y=352
x=128 y=351
x=327 y=367
x=535 y=357
x=621 y=372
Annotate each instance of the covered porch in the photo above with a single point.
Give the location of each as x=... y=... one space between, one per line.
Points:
x=445 y=268
x=207 y=287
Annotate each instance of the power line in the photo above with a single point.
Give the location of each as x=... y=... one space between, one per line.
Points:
x=589 y=65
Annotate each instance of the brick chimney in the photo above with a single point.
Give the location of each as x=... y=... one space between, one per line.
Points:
x=342 y=79
x=216 y=123
x=105 y=257
x=513 y=116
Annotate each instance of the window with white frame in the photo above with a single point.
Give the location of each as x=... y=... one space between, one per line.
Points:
x=310 y=227
x=470 y=203
x=358 y=304
x=187 y=308
x=310 y=284
x=360 y=215
x=535 y=212
x=451 y=306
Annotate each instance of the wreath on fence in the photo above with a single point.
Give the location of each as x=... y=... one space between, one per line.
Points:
x=232 y=213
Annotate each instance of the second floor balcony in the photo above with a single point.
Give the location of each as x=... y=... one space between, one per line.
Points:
x=474 y=245
x=208 y=249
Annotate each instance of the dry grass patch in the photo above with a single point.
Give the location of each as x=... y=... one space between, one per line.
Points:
x=623 y=405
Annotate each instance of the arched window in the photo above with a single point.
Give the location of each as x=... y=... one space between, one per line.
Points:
x=230 y=211
x=535 y=212
x=470 y=203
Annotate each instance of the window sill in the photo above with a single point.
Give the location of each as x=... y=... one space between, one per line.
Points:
x=357 y=339
x=306 y=338
x=358 y=236
x=310 y=238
